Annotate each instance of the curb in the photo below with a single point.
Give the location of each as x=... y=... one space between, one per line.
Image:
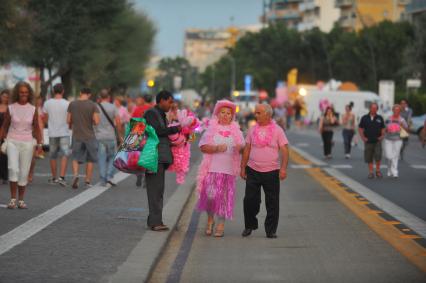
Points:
x=402 y=230
x=140 y=263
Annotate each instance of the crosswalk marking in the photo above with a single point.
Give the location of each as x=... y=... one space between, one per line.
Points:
x=342 y=166
x=418 y=166
x=300 y=166
x=302 y=144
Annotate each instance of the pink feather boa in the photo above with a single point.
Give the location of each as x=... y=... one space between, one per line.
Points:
x=212 y=129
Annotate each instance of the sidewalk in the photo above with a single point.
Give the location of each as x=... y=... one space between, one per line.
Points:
x=319 y=240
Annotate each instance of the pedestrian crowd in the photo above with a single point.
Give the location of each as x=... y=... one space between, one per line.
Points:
x=380 y=135
x=85 y=131
x=89 y=132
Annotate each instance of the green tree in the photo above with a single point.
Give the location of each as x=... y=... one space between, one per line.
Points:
x=91 y=42
x=171 y=68
x=415 y=54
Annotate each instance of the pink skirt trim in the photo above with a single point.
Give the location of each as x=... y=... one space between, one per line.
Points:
x=217 y=195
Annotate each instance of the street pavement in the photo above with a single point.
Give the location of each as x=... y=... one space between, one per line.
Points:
x=319 y=240
x=408 y=191
x=86 y=244
x=100 y=234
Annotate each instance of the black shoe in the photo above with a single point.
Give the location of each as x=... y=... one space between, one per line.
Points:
x=112 y=183
x=271 y=236
x=246 y=232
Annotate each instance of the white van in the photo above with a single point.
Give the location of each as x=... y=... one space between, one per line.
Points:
x=339 y=99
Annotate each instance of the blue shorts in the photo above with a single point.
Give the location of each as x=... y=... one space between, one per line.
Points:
x=59 y=146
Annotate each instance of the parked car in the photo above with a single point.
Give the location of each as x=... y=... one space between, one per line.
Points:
x=417 y=124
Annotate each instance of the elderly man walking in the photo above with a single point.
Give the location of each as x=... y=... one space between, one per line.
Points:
x=261 y=167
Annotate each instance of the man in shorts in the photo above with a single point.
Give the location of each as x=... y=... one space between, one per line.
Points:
x=83 y=115
x=372 y=132
x=55 y=110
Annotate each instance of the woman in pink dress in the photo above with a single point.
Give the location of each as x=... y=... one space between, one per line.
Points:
x=221 y=144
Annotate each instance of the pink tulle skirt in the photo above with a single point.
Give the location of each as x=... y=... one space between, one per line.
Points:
x=181 y=156
x=217 y=195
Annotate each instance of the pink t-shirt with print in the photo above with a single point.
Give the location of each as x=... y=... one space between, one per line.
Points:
x=267 y=158
x=222 y=162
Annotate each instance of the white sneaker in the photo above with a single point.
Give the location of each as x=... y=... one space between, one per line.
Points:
x=52 y=181
x=347 y=156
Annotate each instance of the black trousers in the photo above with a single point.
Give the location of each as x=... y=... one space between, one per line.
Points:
x=327 y=139
x=155 y=191
x=347 y=139
x=270 y=182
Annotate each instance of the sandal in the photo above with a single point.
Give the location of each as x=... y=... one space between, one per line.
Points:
x=12 y=203
x=22 y=205
x=379 y=174
x=209 y=229
x=370 y=176
x=220 y=231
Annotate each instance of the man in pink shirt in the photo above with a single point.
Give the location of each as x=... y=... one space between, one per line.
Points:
x=261 y=167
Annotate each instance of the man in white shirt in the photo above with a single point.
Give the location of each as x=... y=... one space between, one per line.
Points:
x=55 y=110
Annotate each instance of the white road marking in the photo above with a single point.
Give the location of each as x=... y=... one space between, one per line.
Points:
x=418 y=166
x=300 y=166
x=49 y=175
x=3 y=205
x=302 y=144
x=38 y=223
x=309 y=157
x=412 y=221
x=342 y=166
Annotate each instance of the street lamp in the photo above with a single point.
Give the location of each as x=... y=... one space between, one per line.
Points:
x=233 y=73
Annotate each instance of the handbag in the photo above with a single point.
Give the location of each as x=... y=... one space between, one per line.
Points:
x=403 y=134
x=139 y=151
x=117 y=137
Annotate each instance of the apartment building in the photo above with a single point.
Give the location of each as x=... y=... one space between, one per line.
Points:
x=203 y=47
x=357 y=14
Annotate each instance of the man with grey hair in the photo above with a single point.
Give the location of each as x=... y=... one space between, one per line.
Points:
x=261 y=167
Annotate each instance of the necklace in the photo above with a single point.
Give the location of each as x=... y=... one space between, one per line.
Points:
x=262 y=135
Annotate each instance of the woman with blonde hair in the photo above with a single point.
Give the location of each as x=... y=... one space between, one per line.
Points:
x=220 y=144
x=20 y=128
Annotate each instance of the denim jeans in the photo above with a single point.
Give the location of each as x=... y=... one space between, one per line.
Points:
x=106 y=153
x=347 y=139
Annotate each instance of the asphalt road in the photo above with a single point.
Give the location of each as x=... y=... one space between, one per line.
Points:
x=319 y=240
x=408 y=191
x=86 y=244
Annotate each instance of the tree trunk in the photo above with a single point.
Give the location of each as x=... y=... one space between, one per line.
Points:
x=43 y=84
x=67 y=82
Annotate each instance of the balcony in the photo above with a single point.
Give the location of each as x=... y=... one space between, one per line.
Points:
x=343 y=3
x=346 y=22
x=307 y=6
x=416 y=6
x=283 y=15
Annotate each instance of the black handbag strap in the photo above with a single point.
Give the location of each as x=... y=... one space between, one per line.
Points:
x=107 y=116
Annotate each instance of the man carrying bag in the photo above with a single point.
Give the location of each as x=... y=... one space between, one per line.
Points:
x=108 y=138
x=156 y=117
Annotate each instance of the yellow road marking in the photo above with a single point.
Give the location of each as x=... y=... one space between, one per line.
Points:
x=410 y=249
x=392 y=222
x=375 y=212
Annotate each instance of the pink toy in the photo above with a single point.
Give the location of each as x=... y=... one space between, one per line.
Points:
x=181 y=149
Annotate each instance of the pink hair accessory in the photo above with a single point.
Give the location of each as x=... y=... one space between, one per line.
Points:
x=224 y=103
